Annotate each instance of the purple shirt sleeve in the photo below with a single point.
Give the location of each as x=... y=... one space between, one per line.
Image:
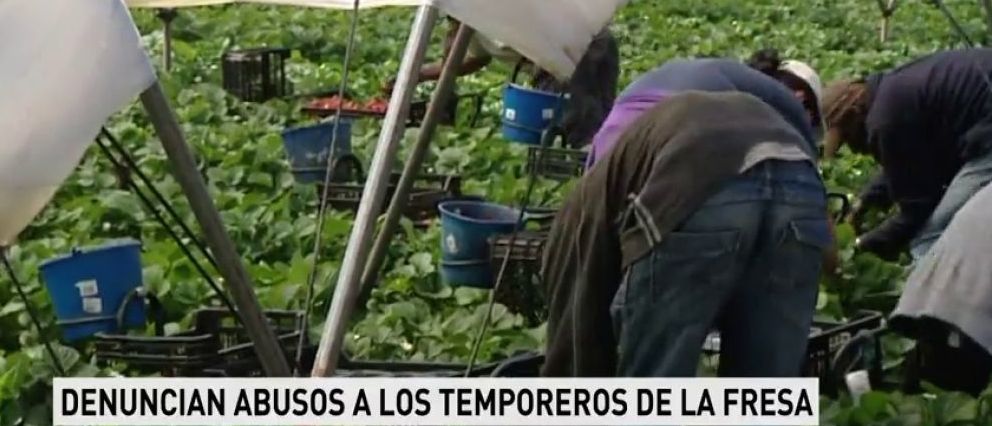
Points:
x=624 y=112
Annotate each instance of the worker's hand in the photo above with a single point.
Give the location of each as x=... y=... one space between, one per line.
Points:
x=883 y=250
x=857 y=216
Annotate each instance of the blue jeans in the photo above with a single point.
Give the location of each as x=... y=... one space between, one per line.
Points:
x=746 y=263
x=972 y=177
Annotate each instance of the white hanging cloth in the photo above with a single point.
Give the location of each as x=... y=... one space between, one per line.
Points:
x=67 y=66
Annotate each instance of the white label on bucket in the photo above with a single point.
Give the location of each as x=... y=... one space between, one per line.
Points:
x=451 y=243
x=858 y=383
x=548 y=113
x=87 y=288
x=712 y=342
x=510 y=114
x=92 y=305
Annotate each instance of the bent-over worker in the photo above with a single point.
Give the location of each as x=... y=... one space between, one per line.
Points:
x=946 y=303
x=706 y=212
x=763 y=76
x=929 y=124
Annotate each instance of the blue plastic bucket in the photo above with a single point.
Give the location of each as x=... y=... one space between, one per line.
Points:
x=308 y=149
x=527 y=113
x=96 y=289
x=466 y=227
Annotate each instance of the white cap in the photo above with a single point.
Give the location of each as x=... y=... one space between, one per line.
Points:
x=807 y=74
x=812 y=79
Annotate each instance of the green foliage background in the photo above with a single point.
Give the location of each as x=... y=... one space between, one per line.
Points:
x=411 y=314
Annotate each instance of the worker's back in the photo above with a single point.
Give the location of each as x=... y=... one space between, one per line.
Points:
x=720 y=75
x=946 y=96
x=666 y=164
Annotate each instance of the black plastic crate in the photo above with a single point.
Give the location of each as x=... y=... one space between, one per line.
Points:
x=216 y=340
x=218 y=347
x=826 y=339
x=932 y=359
x=520 y=290
x=180 y=355
x=255 y=75
x=865 y=352
x=236 y=355
x=428 y=190
x=556 y=163
x=528 y=246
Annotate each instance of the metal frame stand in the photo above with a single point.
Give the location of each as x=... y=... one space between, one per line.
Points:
x=348 y=285
x=230 y=266
x=442 y=93
x=888 y=8
x=32 y=313
x=167 y=15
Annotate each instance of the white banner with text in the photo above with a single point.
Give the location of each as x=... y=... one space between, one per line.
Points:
x=434 y=401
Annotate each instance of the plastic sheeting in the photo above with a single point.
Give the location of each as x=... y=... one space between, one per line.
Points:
x=554 y=34
x=67 y=66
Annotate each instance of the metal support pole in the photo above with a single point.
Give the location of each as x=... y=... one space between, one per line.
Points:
x=888 y=8
x=167 y=15
x=229 y=262
x=347 y=289
x=442 y=93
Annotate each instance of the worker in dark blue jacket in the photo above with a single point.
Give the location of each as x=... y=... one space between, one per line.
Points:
x=929 y=124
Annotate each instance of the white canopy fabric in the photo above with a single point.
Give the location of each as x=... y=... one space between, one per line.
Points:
x=67 y=66
x=554 y=34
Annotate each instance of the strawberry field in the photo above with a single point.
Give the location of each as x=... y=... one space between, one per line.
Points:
x=411 y=315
